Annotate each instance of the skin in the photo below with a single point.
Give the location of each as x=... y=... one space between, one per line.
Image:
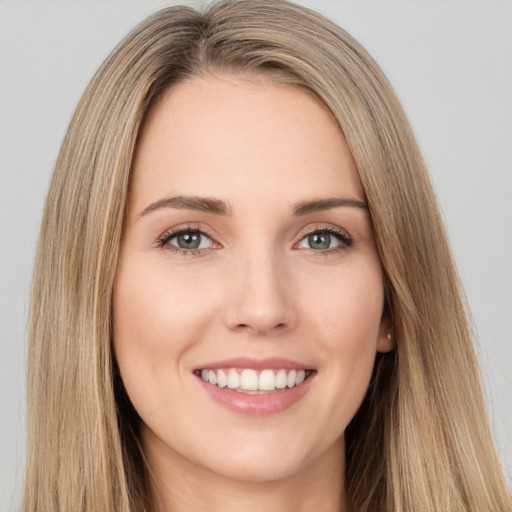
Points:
x=254 y=288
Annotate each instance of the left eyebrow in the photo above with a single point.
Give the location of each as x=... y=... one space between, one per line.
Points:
x=319 y=205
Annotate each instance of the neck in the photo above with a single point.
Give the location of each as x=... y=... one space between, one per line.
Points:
x=179 y=484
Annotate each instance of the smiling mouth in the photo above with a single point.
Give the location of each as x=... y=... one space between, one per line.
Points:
x=254 y=382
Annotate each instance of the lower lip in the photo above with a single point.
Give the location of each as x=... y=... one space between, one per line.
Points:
x=258 y=405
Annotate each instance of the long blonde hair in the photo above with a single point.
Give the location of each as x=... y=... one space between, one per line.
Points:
x=421 y=439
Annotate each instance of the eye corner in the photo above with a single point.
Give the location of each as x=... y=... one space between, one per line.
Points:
x=196 y=241
x=329 y=233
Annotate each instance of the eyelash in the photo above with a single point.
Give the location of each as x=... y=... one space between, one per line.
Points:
x=346 y=241
x=341 y=235
x=163 y=241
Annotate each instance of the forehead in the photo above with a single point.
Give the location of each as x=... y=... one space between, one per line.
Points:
x=242 y=138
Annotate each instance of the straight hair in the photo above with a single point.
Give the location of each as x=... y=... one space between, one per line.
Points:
x=420 y=441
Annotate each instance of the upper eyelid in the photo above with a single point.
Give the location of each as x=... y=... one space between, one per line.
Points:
x=172 y=232
x=163 y=241
x=343 y=236
x=319 y=227
x=325 y=227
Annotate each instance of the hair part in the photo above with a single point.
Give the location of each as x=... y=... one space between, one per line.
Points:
x=421 y=439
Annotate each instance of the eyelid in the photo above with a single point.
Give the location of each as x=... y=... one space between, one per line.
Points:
x=341 y=234
x=169 y=234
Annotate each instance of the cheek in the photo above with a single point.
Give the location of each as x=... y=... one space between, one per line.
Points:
x=152 y=308
x=347 y=316
x=348 y=309
x=157 y=317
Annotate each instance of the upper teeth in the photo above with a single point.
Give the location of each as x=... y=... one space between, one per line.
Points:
x=249 y=380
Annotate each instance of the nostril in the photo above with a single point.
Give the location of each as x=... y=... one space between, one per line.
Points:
x=260 y=329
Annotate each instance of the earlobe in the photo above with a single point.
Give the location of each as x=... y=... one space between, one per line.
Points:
x=386 y=339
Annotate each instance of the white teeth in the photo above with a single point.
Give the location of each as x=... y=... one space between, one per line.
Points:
x=233 y=379
x=281 y=379
x=249 y=381
x=267 y=380
x=222 y=379
x=212 y=377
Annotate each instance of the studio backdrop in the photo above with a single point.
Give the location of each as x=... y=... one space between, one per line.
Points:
x=451 y=65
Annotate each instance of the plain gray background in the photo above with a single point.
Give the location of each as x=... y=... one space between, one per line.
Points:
x=451 y=64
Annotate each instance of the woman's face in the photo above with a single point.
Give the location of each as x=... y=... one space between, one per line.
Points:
x=247 y=259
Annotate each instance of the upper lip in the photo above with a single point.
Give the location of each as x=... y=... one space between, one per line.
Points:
x=270 y=363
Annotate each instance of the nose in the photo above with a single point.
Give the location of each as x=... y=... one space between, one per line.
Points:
x=260 y=300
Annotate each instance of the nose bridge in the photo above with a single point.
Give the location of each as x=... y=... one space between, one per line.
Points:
x=260 y=299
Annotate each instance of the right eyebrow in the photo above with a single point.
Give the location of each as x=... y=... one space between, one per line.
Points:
x=198 y=203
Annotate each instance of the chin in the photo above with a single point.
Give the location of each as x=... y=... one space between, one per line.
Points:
x=258 y=469
x=257 y=458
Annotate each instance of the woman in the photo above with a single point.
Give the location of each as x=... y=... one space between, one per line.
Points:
x=243 y=294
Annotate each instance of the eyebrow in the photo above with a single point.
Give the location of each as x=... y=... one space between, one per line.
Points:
x=201 y=204
x=319 y=205
x=219 y=207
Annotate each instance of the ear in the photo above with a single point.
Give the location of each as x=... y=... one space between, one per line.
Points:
x=385 y=339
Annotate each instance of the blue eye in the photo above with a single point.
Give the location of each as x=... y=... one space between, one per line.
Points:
x=187 y=240
x=324 y=240
x=319 y=241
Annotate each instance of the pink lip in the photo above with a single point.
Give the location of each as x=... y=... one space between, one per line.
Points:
x=270 y=363
x=256 y=405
